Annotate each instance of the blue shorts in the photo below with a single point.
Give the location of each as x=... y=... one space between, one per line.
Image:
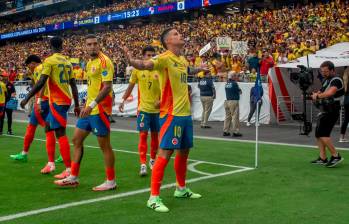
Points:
x=57 y=116
x=176 y=132
x=95 y=124
x=36 y=117
x=148 y=121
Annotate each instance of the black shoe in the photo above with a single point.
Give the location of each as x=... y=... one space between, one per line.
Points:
x=334 y=161
x=205 y=126
x=112 y=121
x=226 y=134
x=237 y=134
x=10 y=133
x=320 y=161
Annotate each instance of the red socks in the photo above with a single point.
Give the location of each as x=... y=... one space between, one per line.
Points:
x=64 y=148
x=157 y=175
x=110 y=171
x=29 y=137
x=180 y=166
x=143 y=147
x=75 y=169
x=50 y=145
x=154 y=145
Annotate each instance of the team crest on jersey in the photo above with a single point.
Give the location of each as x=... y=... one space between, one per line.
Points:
x=93 y=69
x=156 y=76
x=174 y=141
x=175 y=64
x=104 y=73
x=141 y=125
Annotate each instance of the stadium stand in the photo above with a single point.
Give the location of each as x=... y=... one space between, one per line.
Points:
x=285 y=34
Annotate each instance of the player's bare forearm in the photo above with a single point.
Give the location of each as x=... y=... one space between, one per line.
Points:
x=195 y=70
x=75 y=92
x=141 y=64
x=107 y=88
x=138 y=64
x=37 y=87
x=128 y=91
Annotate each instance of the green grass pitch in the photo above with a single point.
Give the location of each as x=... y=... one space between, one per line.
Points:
x=285 y=189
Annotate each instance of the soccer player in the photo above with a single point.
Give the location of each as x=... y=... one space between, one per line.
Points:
x=148 y=109
x=38 y=117
x=57 y=70
x=176 y=131
x=94 y=117
x=3 y=91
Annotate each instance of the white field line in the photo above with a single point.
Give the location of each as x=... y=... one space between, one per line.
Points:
x=221 y=139
x=191 y=167
x=133 y=152
x=121 y=195
x=107 y=198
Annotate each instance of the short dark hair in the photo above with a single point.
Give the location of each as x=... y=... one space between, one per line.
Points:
x=148 y=48
x=90 y=36
x=56 y=43
x=32 y=58
x=328 y=64
x=216 y=55
x=164 y=35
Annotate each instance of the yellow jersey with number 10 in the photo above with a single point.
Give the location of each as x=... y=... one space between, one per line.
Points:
x=173 y=71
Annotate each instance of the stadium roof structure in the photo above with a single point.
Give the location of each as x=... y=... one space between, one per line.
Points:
x=338 y=54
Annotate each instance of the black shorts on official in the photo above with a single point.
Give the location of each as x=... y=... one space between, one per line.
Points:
x=325 y=124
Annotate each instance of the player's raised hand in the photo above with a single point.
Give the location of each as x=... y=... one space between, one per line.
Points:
x=126 y=52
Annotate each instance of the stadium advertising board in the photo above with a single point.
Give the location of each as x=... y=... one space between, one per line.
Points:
x=117 y=16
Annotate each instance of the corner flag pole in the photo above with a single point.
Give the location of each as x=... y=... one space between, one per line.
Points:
x=257 y=134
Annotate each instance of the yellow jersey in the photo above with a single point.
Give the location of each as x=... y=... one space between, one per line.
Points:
x=36 y=76
x=173 y=71
x=99 y=70
x=148 y=89
x=78 y=74
x=3 y=91
x=59 y=71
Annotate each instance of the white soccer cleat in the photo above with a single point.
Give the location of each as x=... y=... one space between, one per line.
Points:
x=49 y=168
x=151 y=163
x=63 y=175
x=106 y=186
x=70 y=181
x=143 y=170
x=248 y=124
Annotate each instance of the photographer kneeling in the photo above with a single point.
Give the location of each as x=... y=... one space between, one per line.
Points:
x=328 y=101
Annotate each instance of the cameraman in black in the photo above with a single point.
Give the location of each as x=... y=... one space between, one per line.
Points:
x=328 y=101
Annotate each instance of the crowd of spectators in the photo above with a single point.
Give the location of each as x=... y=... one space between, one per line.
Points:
x=77 y=15
x=273 y=36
